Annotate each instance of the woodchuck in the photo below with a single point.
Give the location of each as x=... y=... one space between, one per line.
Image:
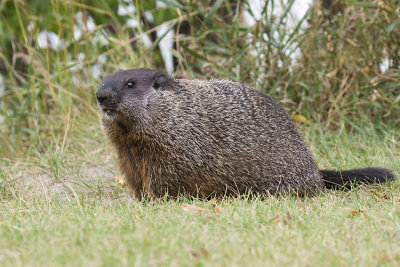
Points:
x=209 y=138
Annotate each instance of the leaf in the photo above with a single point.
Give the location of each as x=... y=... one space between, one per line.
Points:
x=392 y=26
x=200 y=253
x=212 y=201
x=275 y=218
x=120 y=180
x=192 y=208
x=213 y=10
x=301 y=119
x=162 y=15
x=173 y=4
x=194 y=53
x=342 y=61
x=361 y=3
x=359 y=213
x=332 y=74
x=379 y=197
x=285 y=218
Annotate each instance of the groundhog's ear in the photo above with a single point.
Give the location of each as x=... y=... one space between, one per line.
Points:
x=159 y=81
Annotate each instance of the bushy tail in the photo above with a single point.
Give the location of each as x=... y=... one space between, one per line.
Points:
x=344 y=179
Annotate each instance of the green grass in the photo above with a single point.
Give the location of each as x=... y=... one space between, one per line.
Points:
x=76 y=214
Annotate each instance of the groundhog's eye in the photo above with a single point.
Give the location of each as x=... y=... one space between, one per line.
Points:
x=156 y=85
x=130 y=84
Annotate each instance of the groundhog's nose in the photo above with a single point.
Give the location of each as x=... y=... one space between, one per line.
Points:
x=103 y=95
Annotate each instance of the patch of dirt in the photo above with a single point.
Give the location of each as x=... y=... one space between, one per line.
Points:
x=75 y=182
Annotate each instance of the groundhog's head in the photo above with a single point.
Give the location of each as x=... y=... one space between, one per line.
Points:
x=126 y=98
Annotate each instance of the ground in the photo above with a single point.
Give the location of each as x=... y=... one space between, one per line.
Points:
x=65 y=207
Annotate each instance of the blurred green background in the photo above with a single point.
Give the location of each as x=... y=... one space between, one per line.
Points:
x=336 y=64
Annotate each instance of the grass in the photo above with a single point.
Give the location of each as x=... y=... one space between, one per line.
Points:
x=75 y=213
x=358 y=228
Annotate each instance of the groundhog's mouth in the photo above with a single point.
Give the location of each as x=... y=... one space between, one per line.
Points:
x=109 y=112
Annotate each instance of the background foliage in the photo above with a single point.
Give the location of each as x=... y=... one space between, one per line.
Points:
x=338 y=65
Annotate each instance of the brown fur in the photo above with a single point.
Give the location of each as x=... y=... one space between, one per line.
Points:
x=206 y=138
